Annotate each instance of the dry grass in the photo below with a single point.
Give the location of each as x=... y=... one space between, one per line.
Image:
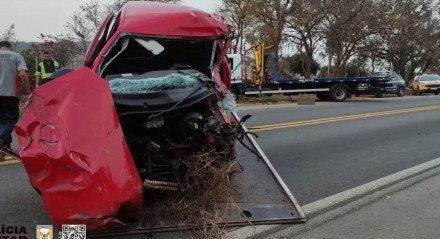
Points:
x=207 y=190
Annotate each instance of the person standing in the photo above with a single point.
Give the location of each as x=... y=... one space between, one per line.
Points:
x=45 y=69
x=11 y=63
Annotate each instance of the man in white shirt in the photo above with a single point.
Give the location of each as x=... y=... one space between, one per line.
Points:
x=11 y=63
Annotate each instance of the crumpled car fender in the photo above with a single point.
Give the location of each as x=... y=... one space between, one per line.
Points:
x=75 y=153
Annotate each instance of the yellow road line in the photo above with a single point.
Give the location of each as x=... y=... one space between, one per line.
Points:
x=339 y=118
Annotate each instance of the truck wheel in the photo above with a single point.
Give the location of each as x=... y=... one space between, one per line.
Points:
x=323 y=96
x=339 y=94
x=400 y=92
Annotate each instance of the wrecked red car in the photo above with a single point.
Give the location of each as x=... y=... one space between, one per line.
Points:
x=154 y=87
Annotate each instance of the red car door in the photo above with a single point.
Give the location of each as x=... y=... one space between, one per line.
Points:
x=75 y=153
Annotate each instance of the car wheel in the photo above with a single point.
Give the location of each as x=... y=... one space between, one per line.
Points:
x=400 y=92
x=379 y=94
x=339 y=93
x=436 y=93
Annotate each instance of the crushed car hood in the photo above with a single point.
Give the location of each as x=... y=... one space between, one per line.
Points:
x=75 y=153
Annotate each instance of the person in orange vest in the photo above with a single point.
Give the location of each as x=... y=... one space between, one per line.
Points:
x=45 y=69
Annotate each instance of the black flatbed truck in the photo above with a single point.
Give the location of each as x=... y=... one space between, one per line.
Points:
x=268 y=80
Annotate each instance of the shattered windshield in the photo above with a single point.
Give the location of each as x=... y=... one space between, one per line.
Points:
x=151 y=82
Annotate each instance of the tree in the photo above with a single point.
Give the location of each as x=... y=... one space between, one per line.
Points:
x=63 y=48
x=304 y=27
x=427 y=55
x=29 y=58
x=117 y=4
x=298 y=65
x=354 y=68
x=238 y=13
x=271 y=17
x=348 y=25
x=86 y=21
x=371 y=47
x=407 y=23
x=9 y=35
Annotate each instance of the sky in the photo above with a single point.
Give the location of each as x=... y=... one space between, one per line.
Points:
x=32 y=17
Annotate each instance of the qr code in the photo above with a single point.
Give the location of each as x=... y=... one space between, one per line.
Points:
x=73 y=232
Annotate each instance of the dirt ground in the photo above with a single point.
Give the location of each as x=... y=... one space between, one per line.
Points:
x=283 y=99
x=270 y=100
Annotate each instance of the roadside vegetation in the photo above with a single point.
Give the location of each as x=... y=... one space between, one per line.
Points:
x=324 y=37
x=348 y=38
x=68 y=49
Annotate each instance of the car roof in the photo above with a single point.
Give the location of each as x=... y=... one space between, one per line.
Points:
x=163 y=19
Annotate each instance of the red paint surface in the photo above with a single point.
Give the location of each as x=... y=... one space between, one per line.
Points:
x=163 y=19
x=75 y=154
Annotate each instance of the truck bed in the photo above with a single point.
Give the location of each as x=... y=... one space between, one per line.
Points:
x=331 y=80
x=258 y=191
x=277 y=80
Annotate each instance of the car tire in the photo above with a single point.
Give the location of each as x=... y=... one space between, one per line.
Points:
x=339 y=94
x=436 y=93
x=400 y=92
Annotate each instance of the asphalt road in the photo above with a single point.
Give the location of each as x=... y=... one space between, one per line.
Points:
x=20 y=205
x=326 y=158
x=315 y=160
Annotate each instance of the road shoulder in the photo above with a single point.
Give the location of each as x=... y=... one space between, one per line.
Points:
x=409 y=213
x=366 y=204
